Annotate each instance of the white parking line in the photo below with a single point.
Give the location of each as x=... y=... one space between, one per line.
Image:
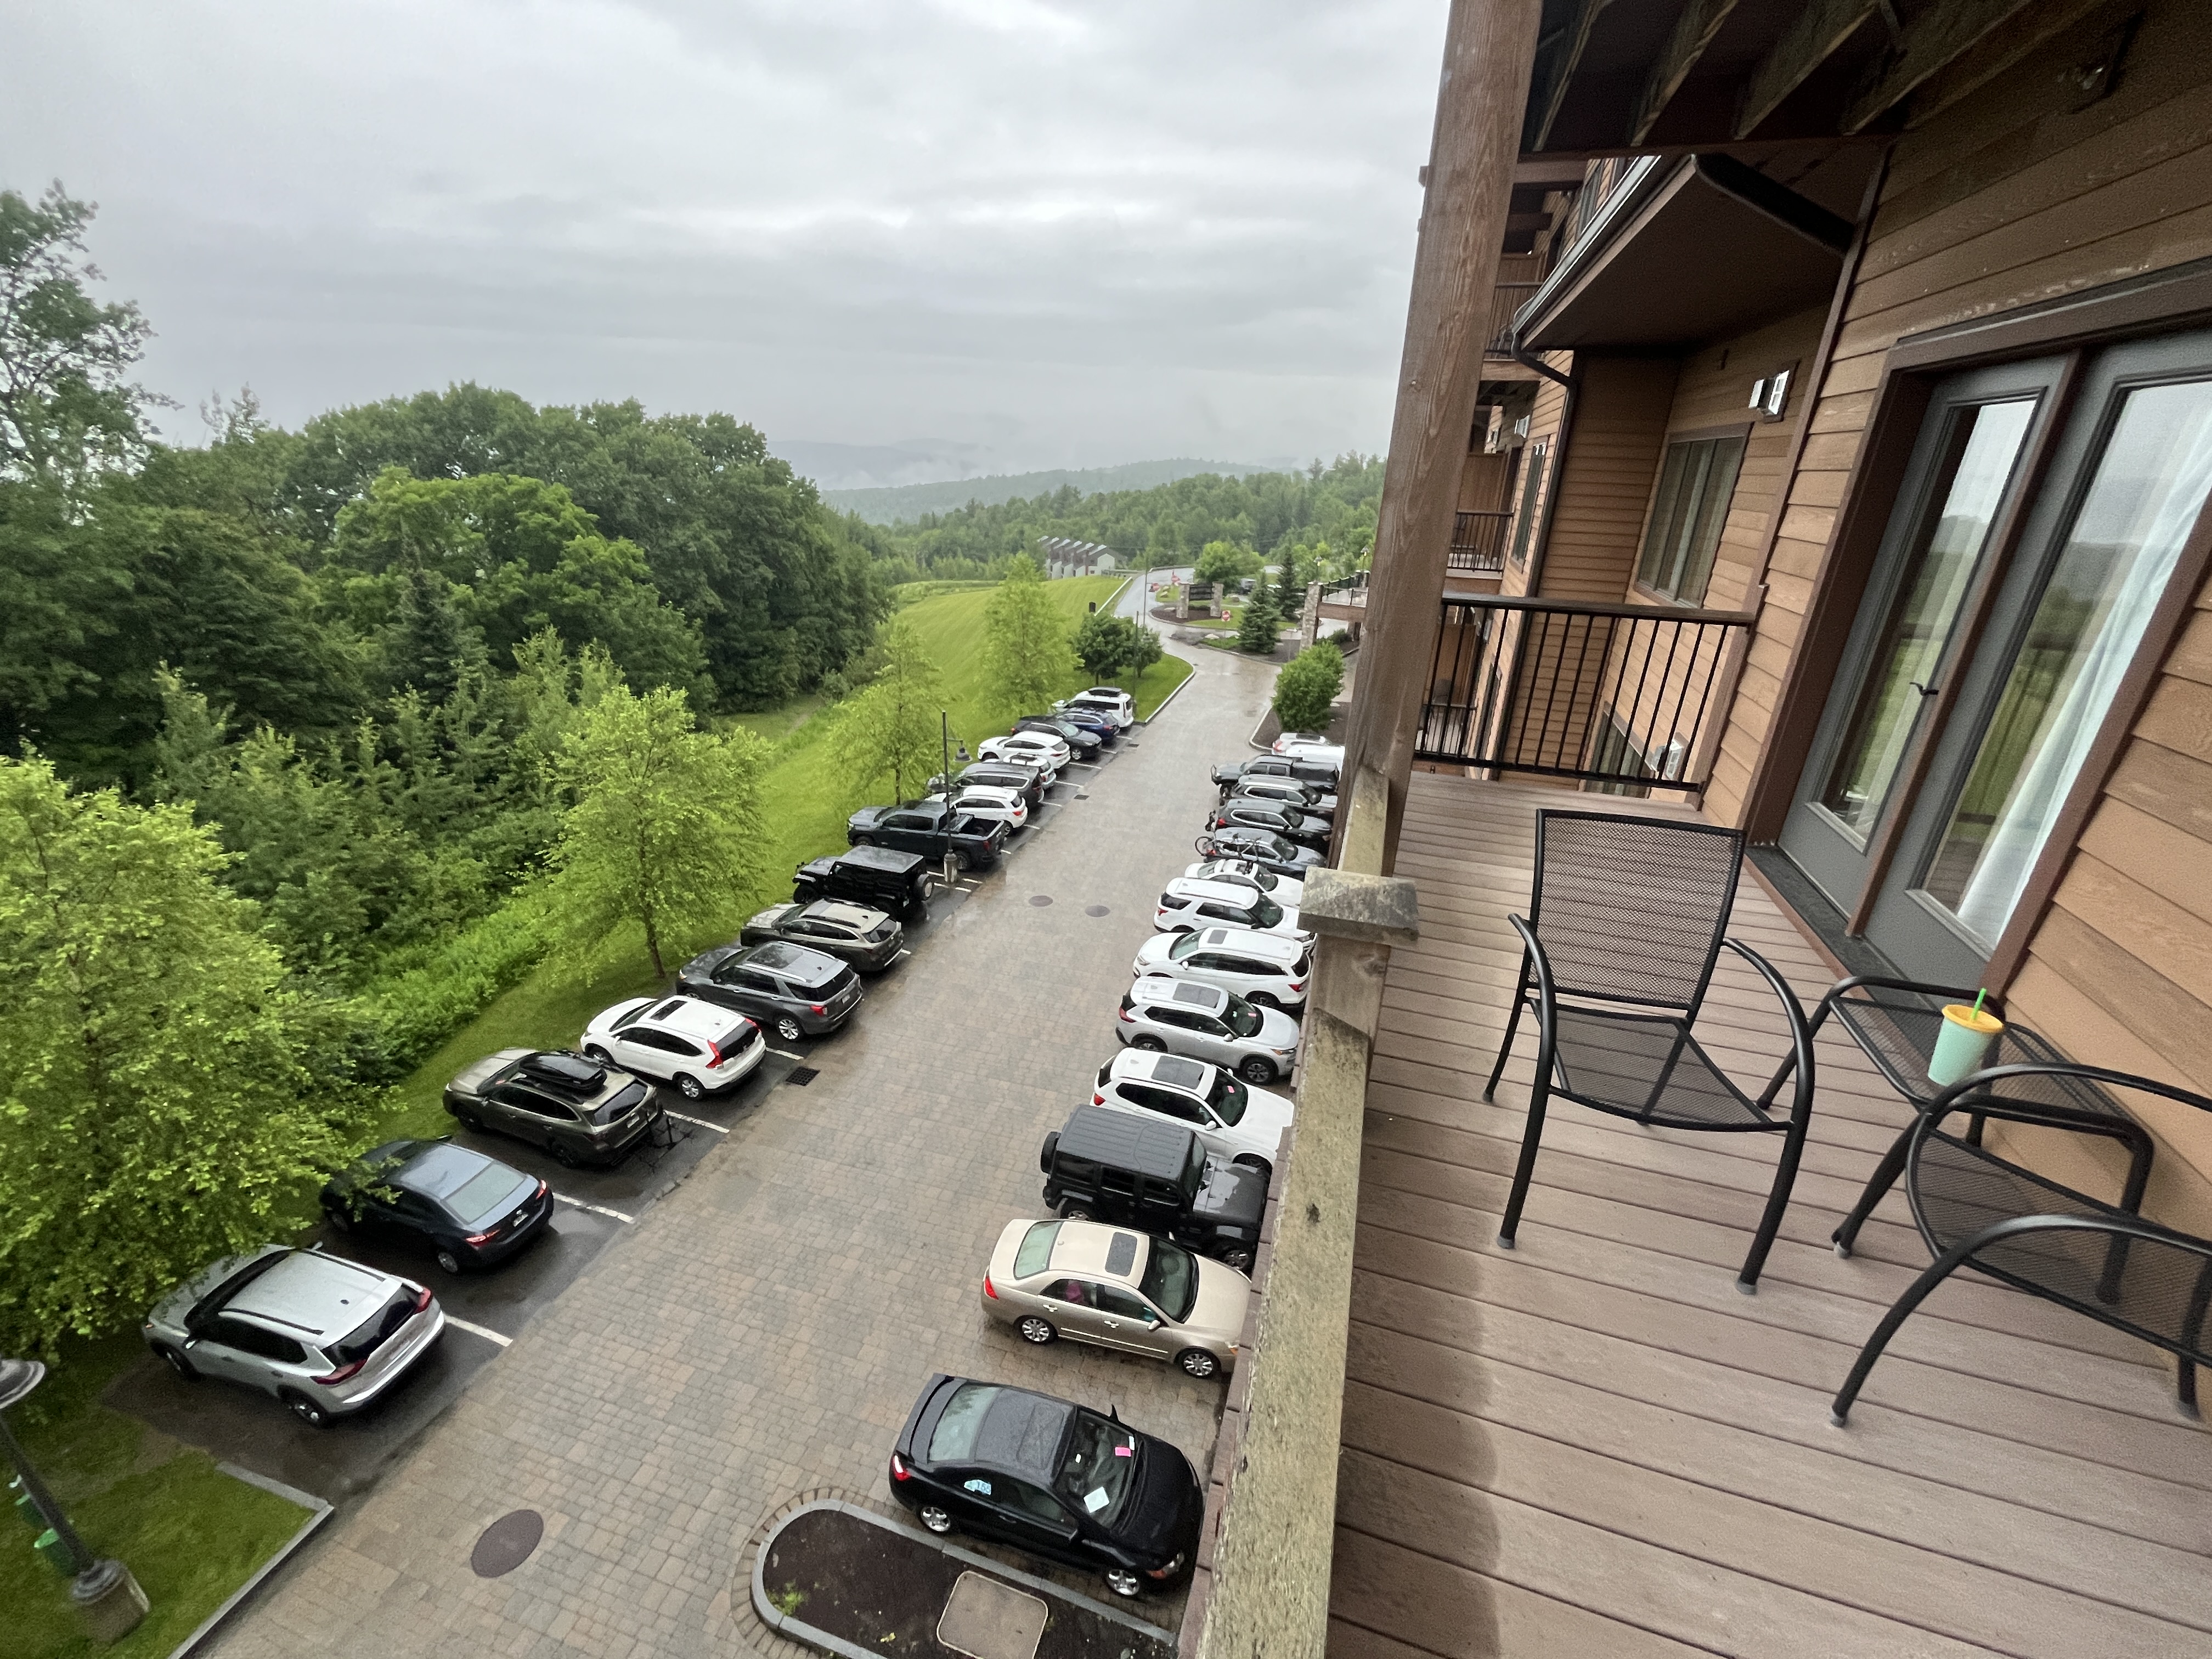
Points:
x=485 y=1332
x=902 y=956
x=596 y=1209
x=787 y=1055
x=1088 y=766
x=699 y=1122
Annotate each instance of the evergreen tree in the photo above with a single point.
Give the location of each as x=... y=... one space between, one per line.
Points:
x=428 y=643
x=667 y=829
x=894 y=727
x=156 y=1109
x=1262 y=620
x=1027 y=659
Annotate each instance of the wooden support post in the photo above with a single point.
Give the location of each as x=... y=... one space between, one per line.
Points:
x=1489 y=47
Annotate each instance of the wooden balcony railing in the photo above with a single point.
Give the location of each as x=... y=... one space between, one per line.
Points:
x=1478 y=544
x=1628 y=696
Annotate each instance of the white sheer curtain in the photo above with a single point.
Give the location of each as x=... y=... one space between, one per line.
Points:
x=2173 y=488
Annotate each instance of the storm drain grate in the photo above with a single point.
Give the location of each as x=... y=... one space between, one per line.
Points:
x=803 y=1075
x=506 y=1543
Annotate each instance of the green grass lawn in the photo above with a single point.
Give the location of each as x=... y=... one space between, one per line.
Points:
x=189 y=1533
x=777 y=724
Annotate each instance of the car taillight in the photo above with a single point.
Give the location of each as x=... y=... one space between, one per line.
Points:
x=476 y=1239
x=1127 y=1015
x=422 y=1298
x=1097 y=1100
x=989 y=1289
x=341 y=1373
x=1298 y=985
x=899 y=1470
x=816 y=1007
x=713 y=1056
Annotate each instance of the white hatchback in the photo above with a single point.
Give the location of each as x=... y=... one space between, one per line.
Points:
x=699 y=1047
x=1286 y=890
x=1047 y=753
x=1241 y=1124
x=1263 y=967
x=1187 y=903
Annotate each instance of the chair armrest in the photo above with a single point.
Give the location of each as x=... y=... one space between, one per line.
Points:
x=1880 y=983
x=1975 y=1093
x=1537 y=959
x=1801 y=1031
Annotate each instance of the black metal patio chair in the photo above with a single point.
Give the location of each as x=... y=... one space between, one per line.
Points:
x=1977 y=1210
x=1625 y=922
x=1894 y=1022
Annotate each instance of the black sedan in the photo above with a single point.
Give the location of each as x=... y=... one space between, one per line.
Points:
x=1240 y=811
x=1261 y=846
x=464 y=1209
x=1050 y=1477
x=867 y=938
x=790 y=990
x=1081 y=744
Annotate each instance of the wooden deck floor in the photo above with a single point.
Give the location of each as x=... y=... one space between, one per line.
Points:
x=1595 y=1445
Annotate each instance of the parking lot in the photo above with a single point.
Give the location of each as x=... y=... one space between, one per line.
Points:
x=758 y=1330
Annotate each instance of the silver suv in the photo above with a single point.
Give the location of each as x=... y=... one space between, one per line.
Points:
x=324 y=1334
x=1186 y=1017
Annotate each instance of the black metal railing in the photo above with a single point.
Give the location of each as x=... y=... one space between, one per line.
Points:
x=1504 y=300
x=1624 y=696
x=1477 y=542
x=1347 y=590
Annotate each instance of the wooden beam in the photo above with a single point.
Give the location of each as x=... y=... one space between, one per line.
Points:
x=1931 y=40
x=1694 y=30
x=1809 y=42
x=1991 y=56
x=1571 y=47
x=1564 y=174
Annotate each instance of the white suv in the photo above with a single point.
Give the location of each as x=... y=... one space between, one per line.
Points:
x=1263 y=967
x=1311 y=746
x=1243 y=1125
x=1286 y=890
x=1189 y=1016
x=1187 y=903
x=699 y=1047
x=1048 y=754
x=987 y=800
x=1110 y=700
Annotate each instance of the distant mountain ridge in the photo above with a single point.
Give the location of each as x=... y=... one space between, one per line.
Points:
x=892 y=503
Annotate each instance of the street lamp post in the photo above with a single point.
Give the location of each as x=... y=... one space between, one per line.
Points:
x=108 y=1597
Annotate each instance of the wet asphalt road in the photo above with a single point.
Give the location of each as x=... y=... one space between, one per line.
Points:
x=484 y=1310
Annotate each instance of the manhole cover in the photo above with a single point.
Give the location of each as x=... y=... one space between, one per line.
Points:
x=986 y=1619
x=1040 y=898
x=1097 y=911
x=506 y=1543
x=803 y=1075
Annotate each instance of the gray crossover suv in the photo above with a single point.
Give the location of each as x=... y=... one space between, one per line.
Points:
x=324 y=1334
x=578 y=1108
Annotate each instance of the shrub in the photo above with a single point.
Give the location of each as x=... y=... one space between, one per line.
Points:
x=1306 y=689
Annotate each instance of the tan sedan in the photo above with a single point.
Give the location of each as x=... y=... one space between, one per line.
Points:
x=1117 y=1288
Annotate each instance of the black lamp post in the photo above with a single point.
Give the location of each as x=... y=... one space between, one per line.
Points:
x=106 y=1596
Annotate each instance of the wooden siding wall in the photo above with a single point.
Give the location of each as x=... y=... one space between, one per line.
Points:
x=1482 y=482
x=2006 y=199
x=1604 y=482
x=1544 y=423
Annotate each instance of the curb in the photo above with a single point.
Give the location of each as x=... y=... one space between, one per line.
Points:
x=1169 y=699
x=322 y=1511
x=800 y=1631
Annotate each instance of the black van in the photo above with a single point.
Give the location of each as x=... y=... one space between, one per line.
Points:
x=1119 y=1168
x=879 y=876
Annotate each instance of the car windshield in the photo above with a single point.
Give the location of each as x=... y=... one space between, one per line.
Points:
x=1265 y=911
x=1097 y=1469
x=1243 y=1018
x=628 y=1016
x=1185 y=944
x=1170 y=1281
x=1035 y=1254
x=1228 y=1099
x=483 y=1195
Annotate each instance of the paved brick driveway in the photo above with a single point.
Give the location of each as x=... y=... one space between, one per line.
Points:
x=762 y=1334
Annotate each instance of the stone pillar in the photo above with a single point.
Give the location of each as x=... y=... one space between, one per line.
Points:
x=1489 y=47
x=1310 y=617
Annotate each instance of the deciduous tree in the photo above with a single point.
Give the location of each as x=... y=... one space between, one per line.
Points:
x=893 y=727
x=1027 y=660
x=666 y=830
x=1306 y=689
x=156 y=1111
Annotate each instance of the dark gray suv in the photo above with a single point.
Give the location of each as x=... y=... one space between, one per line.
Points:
x=581 y=1111
x=792 y=991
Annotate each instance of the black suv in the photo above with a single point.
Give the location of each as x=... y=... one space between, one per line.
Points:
x=932 y=828
x=1118 y=1168
x=1081 y=744
x=882 y=877
x=995 y=775
x=581 y=1111
x=791 y=990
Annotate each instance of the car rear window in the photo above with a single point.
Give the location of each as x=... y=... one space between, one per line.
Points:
x=373 y=1332
x=483 y=1195
x=1035 y=1254
x=953 y=1440
x=621 y=1105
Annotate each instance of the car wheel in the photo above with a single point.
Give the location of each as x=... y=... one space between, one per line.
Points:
x=307 y=1410
x=339 y=1220
x=1198 y=1363
x=787 y=1029
x=1146 y=1040
x=1239 y=1259
x=1076 y=1213
x=562 y=1156
x=468 y=1121
x=448 y=1261
x=592 y=1051
x=936 y=1519
x=963 y=862
x=1251 y=1161
x=184 y=1368
x=688 y=1086
x=1037 y=1330
x=1261 y=997
x=1256 y=1070
x=863 y=841
x=1123 y=1582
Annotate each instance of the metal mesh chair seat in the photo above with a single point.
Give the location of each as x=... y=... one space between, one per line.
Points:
x=1648 y=1067
x=1617 y=948
x=1976 y=1209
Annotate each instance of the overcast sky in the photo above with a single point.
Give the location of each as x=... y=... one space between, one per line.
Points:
x=1017 y=234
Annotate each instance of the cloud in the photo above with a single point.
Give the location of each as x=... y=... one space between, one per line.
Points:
x=1070 y=234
